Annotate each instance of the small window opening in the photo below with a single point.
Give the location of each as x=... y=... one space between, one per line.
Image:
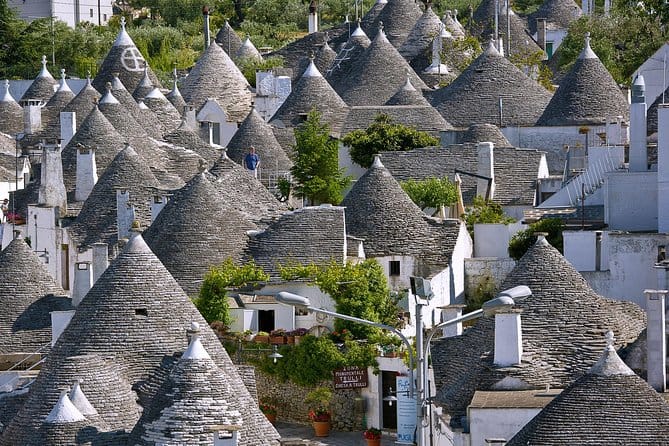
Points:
x=141 y=312
x=394 y=267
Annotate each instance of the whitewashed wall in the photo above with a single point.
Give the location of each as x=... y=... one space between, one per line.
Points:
x=631 y=201
x=497 y=423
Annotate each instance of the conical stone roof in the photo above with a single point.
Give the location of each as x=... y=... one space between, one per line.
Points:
x=125 y=59
x=163 y=109
x=143 y=88
x=377 y=74
x=28 y=294
x=248 y=51
x=323 y=59
x=105 y=388
x=561 y=13
x=452 y=25
x=175 y=98
x=563 y=324
x=588 y=95
x=477 y=133
x=97 y=133
x=255 y=132
x=147 y=120
x=521 y=41
x=138 y=314
x=228 y=39
x=195 y=397
x=610 y=404
x=398 y=18
x=347 y=58
x=216 y=76
x=419 y=41
x=312 y=92
x=370 y=20
x=188 y=138
x=65 y=425
x=196 y=231
x=52 y=109
x=83 y=102
x=11 y=113
x=97 y=221
x=473 y=97
x=43 y=87
x=407 y=95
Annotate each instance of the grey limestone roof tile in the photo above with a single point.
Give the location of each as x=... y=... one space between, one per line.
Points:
x=95 y=132
x=125 y=59
x=588 y=95
x=473 y=97
x=407 y=95
x=255 y=132
x=563 y=326
x=136 y=314
x=324 y=57
x=185 y=136
x=228 y=39
x=421 y=36
x=370 y=23
x=146 y=119
x=51 y=111
x=347 y=57
x=398 y=18
x=248 y=51
x=651 y=114
x=293 y=53
x=383 y=215
x=516 y=170
x=97 y=220
x=163 y=109
x=452 y=25
x=312 y=92
x=193 y=399
x=11 y=113
x=561 y=13
x=195 y=231
x=143 y=88
x=614 y=407
x=483 y=133
x=43 y=87
x=83 y=102
x=314 y=234
x=243 y=192
x=216 y=76
x=521 y=41
x=29 y=293
x=377 y=74
x=182 y=165
x=424 y=118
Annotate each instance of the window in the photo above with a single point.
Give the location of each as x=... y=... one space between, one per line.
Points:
x=104 y=17
x=91 y=12
x=549 y=49
x=394 y=267
x=141 y=312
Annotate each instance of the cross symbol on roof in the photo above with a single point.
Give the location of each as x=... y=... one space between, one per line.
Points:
x=132 y=60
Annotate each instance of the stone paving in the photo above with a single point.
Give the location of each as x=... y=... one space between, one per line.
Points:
x=336 y=438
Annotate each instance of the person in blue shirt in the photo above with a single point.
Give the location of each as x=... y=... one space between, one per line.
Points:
x=252 y=161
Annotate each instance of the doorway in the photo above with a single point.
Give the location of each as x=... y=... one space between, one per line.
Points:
x=388 y=411
x=266 y=320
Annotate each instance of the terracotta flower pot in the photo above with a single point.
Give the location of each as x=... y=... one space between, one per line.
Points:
x=277 y=340
x=321 y=428
x=373 y=442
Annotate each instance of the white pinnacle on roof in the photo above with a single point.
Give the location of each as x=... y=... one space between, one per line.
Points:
x=6 y=95
x=142 y=105
x=377 y=161
x=381 y=2
x=123 y=38
x=587 y=52
x=311 y=70
x=491 y=49
x=80 y=401
x=610 y=363
x=64 y=411
x=195 y=350
x=44 y=72
x=155 y=94
x=109 y=98
x=63 y=83
x=358 y=31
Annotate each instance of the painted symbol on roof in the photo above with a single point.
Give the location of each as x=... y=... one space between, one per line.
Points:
x=132 y=60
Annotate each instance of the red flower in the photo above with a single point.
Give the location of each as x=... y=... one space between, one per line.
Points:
x=319 y=415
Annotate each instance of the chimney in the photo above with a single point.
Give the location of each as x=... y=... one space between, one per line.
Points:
x=508 y=339
x=59 y=322
x=52 y=189
x=486 y=168
x=159 y=202
x=68 y=126
x=87 y=174
x=125 y=214
x=585 y=6
x=638 y=153
x=313 y=16
x=207 y=34
x=207 y=132
x=32 y=116
x=607 y=8
x=663 y=168
x=83 y=281
x=449 y=312
x=191 y=116
x=100 y=260
x=541 y=33
x=656 y=354
x=226 y=435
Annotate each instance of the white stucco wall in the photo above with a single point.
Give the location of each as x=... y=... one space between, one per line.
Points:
x=316 y=296
x=71 y=12
x=372 y=393
x=497 y=423
x=492 y=240
x=655 y=72
x=631 y=201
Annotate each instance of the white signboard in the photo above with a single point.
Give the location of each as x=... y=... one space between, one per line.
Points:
x=406 y=411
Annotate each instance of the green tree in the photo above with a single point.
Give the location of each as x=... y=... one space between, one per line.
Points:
x=384 y=135
x=212 y=300
x=249 y=66
x=523 y=240
x=316 y=170
x=485 y=211
x=431 y=192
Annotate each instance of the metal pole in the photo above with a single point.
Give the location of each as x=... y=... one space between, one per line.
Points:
x=508 y=31
x=419 y=371
x=496 y=37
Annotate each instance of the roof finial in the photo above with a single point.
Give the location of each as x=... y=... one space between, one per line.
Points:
x=380 y=26
x=88 y=75
x=587 y=39
x=43 y=61
x=610 y=339
x=123 y=23
x=311 y=56
x=62 y=73
x=108 y=87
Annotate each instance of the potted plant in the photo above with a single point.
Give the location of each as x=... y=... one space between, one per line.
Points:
x=262 y=337
x=373 y=436
x=277 y=336
x=269 y=410
x=318 y=401
x=299 y=333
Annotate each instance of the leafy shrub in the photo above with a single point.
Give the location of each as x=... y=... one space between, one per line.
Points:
x=485 y=211
x=523 y=240
x=431 y=192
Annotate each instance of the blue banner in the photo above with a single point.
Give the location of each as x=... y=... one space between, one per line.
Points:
x=406 y=411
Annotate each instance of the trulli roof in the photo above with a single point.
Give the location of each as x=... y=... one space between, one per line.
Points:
x=43 y=87
x=398 y=18
x=11 y=113
x=228 y=39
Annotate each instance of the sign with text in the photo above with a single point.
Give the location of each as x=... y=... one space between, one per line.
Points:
x=350 y=377
x=406 y=411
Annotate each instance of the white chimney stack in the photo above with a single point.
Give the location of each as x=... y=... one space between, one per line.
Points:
x=83 y=281
x=68 y=126
x=486 y=168
x=100 y=260
x=638 y=152
x=157 y=205
x=32 y=116
x=656 y=354
x=663 y=168
x=313 y=16
x=207 y=34
x=125 y=214
x=449 y=312
x=52 y=189
x=59 y=322
x=508 y=339
x=87 y=173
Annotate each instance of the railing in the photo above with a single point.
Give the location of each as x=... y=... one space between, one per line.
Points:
x=16 y=367
x=590 y=180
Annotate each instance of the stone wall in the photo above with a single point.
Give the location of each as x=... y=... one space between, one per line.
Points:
x=486 y=268
x=347 y=405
